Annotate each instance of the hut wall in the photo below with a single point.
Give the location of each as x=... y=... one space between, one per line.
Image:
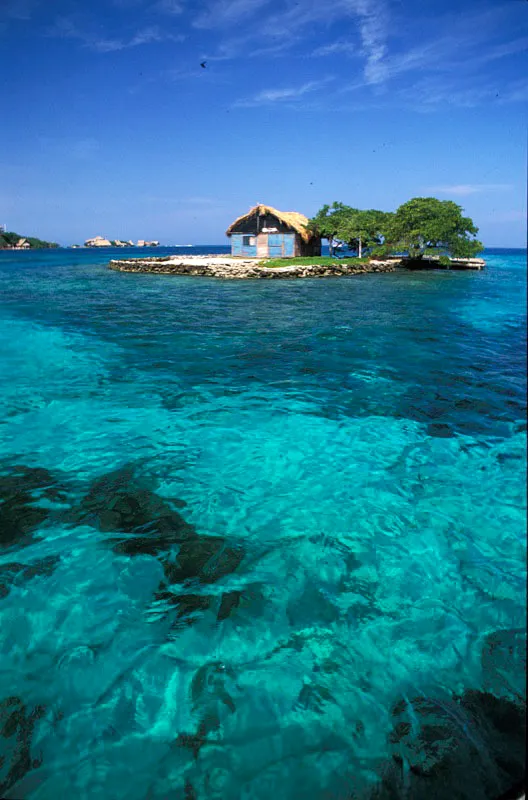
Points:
x=266 y=245
x=253 y=240
x=262 y=245
x=243 y=244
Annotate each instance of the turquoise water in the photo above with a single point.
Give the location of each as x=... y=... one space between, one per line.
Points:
x=255 y=536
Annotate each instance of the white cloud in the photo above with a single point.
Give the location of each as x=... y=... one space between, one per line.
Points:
x=66 y=28
x=286 y=27
x=168 y=7
x=147 y=35
x=289 y=94
x=457 y=56
x=373 y=21
x=464 y=189
x=372 y=17
x=515 y=92
x=226 y=12
x=104 y=45
x=506 y=49
x=336 y=47
x=430 y=60
x=462 y=91
x=457 y=52
x=453 y=54
x=13 y=11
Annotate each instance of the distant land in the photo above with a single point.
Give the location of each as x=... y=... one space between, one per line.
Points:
x=100 y=241
x=14 y=241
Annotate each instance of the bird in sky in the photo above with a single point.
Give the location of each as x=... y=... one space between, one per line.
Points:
x=203 y=64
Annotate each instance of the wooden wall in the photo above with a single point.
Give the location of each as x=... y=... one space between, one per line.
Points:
x=266 y=245
x=283 y=244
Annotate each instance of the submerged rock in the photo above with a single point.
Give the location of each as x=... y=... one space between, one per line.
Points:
x=229 y=602
x=469 y=747
x=21 y=488
x=187 y=606
x=503 y=660
x=311 y=605
x=120 y=502
x=211 y=693
x=123 y=503
x=206 y=559
x=15 y=572
x=312 y=697
x=16 y=732
x=440 y=429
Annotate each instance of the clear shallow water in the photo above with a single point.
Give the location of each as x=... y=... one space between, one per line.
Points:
x=260 y=538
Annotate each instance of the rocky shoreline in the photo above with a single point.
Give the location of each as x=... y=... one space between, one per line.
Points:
x=242 y=269
x=229 y=268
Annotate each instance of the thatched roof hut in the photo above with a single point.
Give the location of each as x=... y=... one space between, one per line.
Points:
x=267 y=232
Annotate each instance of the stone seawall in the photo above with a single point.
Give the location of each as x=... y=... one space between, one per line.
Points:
x=238 y=268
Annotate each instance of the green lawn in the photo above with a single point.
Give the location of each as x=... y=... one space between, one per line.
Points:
x=308 y=261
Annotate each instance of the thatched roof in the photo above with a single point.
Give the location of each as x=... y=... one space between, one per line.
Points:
x=291 y=218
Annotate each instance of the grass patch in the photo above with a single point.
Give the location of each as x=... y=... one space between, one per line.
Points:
x=307 y=261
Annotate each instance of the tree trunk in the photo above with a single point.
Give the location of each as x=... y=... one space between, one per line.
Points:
x=331 y=245
x=360 y=251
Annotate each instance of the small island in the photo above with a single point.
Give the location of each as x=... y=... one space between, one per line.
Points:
x=101 y=241
x=14 y=241
x=424 y=233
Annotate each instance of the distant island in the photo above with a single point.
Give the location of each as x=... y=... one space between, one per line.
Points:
x=14 y=241
x=100 y=241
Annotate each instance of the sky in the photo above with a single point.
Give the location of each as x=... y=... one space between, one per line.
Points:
x=166 y=119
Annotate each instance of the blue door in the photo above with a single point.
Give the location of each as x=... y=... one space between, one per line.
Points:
x=289 y=245
x=275 y=244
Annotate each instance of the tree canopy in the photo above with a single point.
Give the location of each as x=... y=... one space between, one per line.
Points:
x=328 y=220
x=351 y=226
x=425 y=225
x=421 y=226
x=364 y=229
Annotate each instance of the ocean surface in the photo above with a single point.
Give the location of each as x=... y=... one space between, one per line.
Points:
x=261 y=539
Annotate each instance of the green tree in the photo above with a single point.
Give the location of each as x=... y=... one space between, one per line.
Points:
x=40 y=243
x=9 y=239
x=426 y=226
x=352 y=226
x=329 y=222
x=364 y=229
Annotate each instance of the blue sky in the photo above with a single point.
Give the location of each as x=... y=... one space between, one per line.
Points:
x=110 y=126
